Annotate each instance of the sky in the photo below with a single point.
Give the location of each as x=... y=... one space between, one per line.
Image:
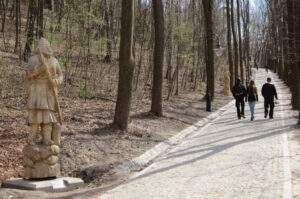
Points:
x=253 y=3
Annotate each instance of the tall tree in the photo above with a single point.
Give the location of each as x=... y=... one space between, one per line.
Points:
x=40 y=19
x=18 y=20
x=32 y=13
x=126 y=66
x=240 y=39
x=297 y=22
x=292 y=58
x=158 y=58
x=207 y=7
x=247 y=37
x=169 y=40
x=4 y=6
x=236 y=56
x=229 y=44
x=108 y=31
x=286 y=69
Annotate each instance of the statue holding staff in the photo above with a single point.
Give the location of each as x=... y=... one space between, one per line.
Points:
x=227 y=82
x=45 y=77
x=41 y=160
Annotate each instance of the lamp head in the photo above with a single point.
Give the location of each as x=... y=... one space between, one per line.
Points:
x=218 y=44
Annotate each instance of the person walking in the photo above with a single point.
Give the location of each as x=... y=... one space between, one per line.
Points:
x=239 y=93
x=252 y=97
x=267 y=68
x=268 y=91
x=256 y=66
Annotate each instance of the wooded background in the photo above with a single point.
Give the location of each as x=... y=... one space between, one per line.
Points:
x=169 y=40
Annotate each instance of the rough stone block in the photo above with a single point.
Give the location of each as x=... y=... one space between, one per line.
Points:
x=42 y=170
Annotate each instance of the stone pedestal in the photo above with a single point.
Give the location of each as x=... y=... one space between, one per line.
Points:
x=42 y=170
x=41 y=161
x=51 y=185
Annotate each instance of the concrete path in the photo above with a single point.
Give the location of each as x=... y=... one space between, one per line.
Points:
x=228 y=158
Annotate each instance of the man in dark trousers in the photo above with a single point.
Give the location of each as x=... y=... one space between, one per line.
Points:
x=239 y=93
x=268 y=91
x=267 y=68
x=256 y=66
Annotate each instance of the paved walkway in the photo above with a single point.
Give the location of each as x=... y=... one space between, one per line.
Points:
x=228 y=158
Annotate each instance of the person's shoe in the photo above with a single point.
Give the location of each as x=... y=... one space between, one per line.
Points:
x=239 y=118
x=271 y=117
x=243 y=116
x=266 y=114
x=252 y=118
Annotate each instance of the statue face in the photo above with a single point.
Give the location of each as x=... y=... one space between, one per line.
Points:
x=44 y=47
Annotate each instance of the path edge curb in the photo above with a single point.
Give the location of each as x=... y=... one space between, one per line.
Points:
x=136 y=164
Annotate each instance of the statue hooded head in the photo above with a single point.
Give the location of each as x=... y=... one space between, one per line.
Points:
x=44 y=47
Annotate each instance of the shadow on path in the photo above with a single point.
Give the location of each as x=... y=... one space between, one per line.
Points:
x=211 y=151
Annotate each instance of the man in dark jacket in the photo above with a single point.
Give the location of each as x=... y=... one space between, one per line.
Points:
x=268 y=91
x=239 y=93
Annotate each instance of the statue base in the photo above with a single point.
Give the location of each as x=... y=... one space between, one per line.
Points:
x=59 y=184
x=42 y=170
x=41 y=161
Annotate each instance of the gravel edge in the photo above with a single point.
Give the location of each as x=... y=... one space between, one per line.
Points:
x=138 y=163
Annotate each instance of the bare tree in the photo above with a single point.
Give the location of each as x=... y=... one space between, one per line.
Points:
x=18 y=21
x=297 y=17
x=32 y=14
x=229 y=44
x=108 y=31
x=126 y=66
x=207 y=6
x=292 y=59
x=236 y=56
x=158 y=58
x=240 y=40
x=4 y=6
x=40 y=19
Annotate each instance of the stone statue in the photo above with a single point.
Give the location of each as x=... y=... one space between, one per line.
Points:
x=41 y=159
x=227 y=82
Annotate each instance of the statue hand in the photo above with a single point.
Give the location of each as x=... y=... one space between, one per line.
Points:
x=54 y=83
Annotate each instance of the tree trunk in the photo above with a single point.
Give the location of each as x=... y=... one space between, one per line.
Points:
x=4 y=5
x=207 y=6
x=108 y=33
x=179 y=46
x=247 y=39
x=194 y=56
x=169 y=42
x=229 y=44
x=88 y=56
x=280 y=43
x=292 y=50
x=52 y=16
x=40 y=19
x=297 y=22
x=236 y=56
x=126 y=66
x=285 y=50
x=17 y=6
x=240 y=41
x=60 y=4
x=32 y=13
x=158 y=58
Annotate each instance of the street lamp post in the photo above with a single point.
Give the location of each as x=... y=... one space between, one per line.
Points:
x=218 y=52
x=208 y=97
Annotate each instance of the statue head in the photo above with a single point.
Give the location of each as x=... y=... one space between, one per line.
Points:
x=44 y=47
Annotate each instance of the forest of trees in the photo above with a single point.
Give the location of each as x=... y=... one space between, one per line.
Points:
x=157 y=44
x=278 y=43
